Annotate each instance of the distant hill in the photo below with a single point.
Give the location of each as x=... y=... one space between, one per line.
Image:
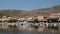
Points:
x=54 y=9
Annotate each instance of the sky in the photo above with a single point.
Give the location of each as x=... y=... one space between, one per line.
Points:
x=27 y=4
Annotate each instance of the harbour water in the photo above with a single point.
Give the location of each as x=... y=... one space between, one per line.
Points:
x=28 y=31
x=25 y=29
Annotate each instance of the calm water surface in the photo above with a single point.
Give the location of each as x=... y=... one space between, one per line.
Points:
x=23 y=30
x=27 y=32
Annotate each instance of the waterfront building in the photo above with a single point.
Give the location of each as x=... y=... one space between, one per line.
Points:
x=40 y=17
x=30 y=18
x=21 y=19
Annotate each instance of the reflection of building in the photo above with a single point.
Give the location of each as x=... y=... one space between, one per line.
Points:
x=3 y=25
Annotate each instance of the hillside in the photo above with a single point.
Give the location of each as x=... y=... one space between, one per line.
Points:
x=54 y=9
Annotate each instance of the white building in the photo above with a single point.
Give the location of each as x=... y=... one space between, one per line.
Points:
x=40 y=17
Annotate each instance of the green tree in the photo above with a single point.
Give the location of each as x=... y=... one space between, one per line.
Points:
x=36 y=20
x=53 y=20
x=0 y=20
x=0 y=16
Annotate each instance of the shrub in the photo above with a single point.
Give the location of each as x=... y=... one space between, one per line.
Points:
x=36 y=20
